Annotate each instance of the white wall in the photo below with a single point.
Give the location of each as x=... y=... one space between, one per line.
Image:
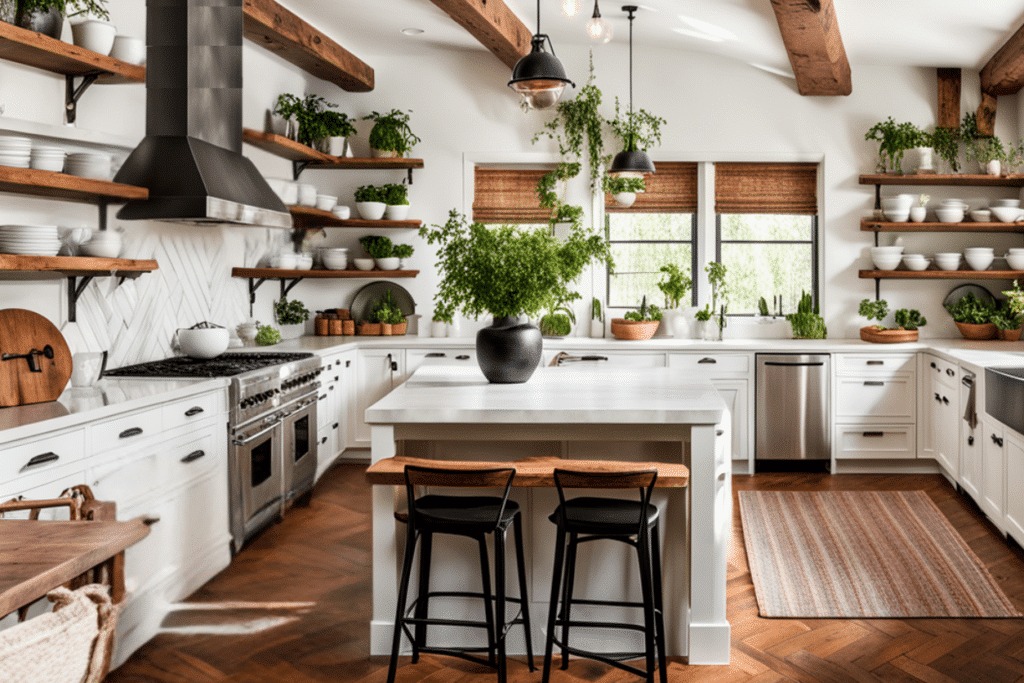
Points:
x=461 y=105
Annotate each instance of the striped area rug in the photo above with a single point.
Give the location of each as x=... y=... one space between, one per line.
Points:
x=862 y=554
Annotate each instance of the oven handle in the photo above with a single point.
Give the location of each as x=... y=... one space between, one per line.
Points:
x=247 y=441
x=300 y=407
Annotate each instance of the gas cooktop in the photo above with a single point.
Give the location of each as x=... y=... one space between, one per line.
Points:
x=224 y=365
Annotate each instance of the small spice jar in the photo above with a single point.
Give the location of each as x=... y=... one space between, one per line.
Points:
x=336 y=327
x=320 y=324
x=348 y=327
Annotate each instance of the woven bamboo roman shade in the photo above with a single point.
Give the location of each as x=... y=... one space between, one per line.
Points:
x=673 y=189
x=779 y=188
x=507 y=196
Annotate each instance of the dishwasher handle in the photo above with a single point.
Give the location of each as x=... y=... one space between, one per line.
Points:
x=816 y=363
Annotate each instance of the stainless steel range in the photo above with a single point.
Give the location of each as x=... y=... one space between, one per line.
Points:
x=271 y=428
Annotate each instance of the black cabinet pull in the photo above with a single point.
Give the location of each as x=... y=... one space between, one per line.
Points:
x=330 y=388
x=323 y=441
x=882 y=362
x=128 y=433
x=336 y=378
x=348 y=363
x=435 y=354
x=949 y=371
x=945 y=400
x=193 y=456
x=193 y=411
x=706 y=360
x=874 y=384
x=338 y=362
x=970 y=441
x=323 y=398
x=334 y=426
x=874 y=433
x=462 y=357
x=997 y=440
x=938 y=398
x=933 y=365
x=392 y=363
x=41 y=459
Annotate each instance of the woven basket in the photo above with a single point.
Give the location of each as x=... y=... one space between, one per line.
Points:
x=986 y=331
x=1009 y=335
x=399 y=329
x=876 y=336
x=369 y=329
x=634 y=330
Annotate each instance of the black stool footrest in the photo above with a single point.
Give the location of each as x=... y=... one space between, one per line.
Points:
x=606 y=603
x=613 y=658
x=599 y=624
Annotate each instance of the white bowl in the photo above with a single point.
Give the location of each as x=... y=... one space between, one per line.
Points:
x=947 y=261
x=1005 y=214
x=1015 y=261
x=390 y=263
x=94 y=34
x=101 y=250
x=897 y=215
x=981 y=215
x=55 y=164
x=325 y=202
x=887 y=262
x=307 y=195
x=343 y=212
x=951 y=201
x=203 y=343
x=371 y=211
x=396 y=212
x=334 y=261
x=978 y=261
x=915 y=262
x=1015 y=250
x=894 y=249
x=129 y=49
x=898 y=203
x=979 y=250
x=303 y=261
x=286 y=190
x=1014 y=203
x=363 y=263
x=284 y=261
x=947 y=215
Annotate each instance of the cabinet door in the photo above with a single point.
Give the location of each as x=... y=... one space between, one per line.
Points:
x=379 y=370
x=931 y=403
x=971 y=460
x=1014 y=445
x=347 y=395
x=993 y=466
x=735 y=394
x=947 y=429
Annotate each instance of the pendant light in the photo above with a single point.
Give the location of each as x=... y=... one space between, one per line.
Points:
x=631 y=161
x=570 y=7
x=539 y=77
x=599 y=30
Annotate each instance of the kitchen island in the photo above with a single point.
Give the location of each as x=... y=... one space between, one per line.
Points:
x=629 y=414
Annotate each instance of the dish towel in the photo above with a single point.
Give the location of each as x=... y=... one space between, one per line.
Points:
x=970 y=415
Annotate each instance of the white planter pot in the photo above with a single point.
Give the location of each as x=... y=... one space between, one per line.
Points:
x=383 y=153
x=455 y=328
x=95 y=35
x=596 y=329
x=674 y=323
x=918 y=214
x=371 y=211
x=403 y=264
x=993 y=167
x=709 y=330
x=129 y=49
x=292 y=331
x=396 y=212
x=438 y=329
x=390 y=263
x=338 y=147
x=625 y=198
x=924 y=159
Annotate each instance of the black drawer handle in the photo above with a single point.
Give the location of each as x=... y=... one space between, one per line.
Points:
x=335 y=426
x=997 y=440
x=938 y=398
x=348 y=363
x=435 y=355
x=933 y=365
x=128 y=433
x=193 y=456
x=330 y=388
x=338 y=362
x=970 y=441
x=462 y=357
x=323 y=398
x=882 y=362
x=719 y=432
x=42 y=459
x=194 y=411
x=949 y=371
x=874 y=384
x=323 y=441
x=706 y=360
x=945 y=400
x=336 y=378
x=874 y=433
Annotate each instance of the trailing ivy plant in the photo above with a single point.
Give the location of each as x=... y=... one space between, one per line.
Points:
x=638 y=129
x=617 y=185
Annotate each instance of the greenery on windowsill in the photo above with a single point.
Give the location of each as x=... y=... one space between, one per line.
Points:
x=806 y=322
x=644 y=314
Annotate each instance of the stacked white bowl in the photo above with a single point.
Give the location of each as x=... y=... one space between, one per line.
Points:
x=15 y=151
x=334 y=258
x=287 y=190
x=104 y=244
x=915 y=261
x=979 y=258
x=897 y=209
x=363 y=263
x=951 y=210
x=886 y=258
x=285 y=261
x=47 y=159
x=981 y=215
x=304 y=261
x=1015 y=258
x=1015 y=203
x=341 y=211
x=307 y=195
x=88 y=165
x=1006 y=210
x=35 y=240
x=326 y=202
x=947 y=261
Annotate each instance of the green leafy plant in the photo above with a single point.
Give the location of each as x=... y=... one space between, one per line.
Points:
x=910 y=319
x=391 y=132
x=638 y=129
x=762 y=307
x=1006 y=319
x=984 y=149
x=267 y=335
x=675 y=286
x=290 y=312
x=645 y=313
x=620 y=184
x=894 y=139
x=386 y=310
x=971 y=310
x=396 y=194
x=337 y=124
x=377 y=246
x=874 y=310
x=806 y=322
x=96 y=8
x=506 y=271
x=719 y=304
x=371 y=193
x=946 y=143
x=402 y=251
x=558 y=321
x=1015 y=299
x=595 y=310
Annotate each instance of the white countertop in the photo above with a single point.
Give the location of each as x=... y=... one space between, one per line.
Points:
x=445 y=394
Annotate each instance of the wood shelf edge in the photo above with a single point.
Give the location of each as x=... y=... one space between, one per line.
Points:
x=872 y=225
x=50 y=54
x=75 y=265
x=941 y=274
x=279 y=273
x=958 y=179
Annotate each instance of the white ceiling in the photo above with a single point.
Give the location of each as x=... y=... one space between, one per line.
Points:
x=928 y=33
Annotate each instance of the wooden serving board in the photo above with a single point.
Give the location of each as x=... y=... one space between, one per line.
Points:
x=22 y=332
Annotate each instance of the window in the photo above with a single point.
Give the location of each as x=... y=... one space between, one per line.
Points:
x=659 y=228
x=508 y=196
x=767 y=232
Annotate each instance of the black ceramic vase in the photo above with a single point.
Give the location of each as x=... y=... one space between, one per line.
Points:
x=49 y=23
x=509 y=350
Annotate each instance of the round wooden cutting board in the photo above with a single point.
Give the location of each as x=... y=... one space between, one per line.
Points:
x=22 y=332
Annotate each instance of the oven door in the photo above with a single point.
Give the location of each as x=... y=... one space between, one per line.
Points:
x=300 y=448
x=257 y=480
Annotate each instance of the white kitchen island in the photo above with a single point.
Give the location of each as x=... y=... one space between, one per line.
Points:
x=597 y=413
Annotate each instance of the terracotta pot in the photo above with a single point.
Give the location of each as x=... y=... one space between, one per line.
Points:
x=986 y=331
x=399 y=329
x=369 y=329
x=633 y=329
x=878 y=336
x=385 y=329
x=1009 y=335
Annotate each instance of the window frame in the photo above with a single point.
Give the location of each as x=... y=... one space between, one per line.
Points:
x=693 y=257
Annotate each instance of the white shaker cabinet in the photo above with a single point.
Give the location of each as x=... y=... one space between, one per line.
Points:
x=939 y=426
x=875 y=406
x=379 y=371
x=992 y=492
x=1014 y=448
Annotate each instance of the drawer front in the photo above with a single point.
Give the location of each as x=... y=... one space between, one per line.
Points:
x=150 y=560
x=41 y=455
x=191 y=460
x=126 y=430
x=941 y=371
x=888 y=442
x=882 y=363
x=711 y=363
x=193 y=410
x=456 y=357
x=891 y=397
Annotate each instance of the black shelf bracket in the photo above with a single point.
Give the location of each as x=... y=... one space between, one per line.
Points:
x=287 y=285
x=878 y=288
x=410 y=176
x=75 y=291
x=298 y=167
x=878 y=197
x=254 y=284
x=73 y=93
x=102 y=223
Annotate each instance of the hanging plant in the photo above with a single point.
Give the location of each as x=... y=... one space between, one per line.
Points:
x=638 y=130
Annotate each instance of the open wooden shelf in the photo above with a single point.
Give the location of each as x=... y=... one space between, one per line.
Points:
x=76 y=265
x=871 y=225
x=271 y=273
x=942 y=274
x=283 y=147
x=305 y=157
x=958 y=179
x=42 y=52
x=68 y=187
x=303 y=216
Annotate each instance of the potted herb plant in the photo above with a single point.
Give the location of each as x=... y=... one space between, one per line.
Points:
x=1007 y=324
x=291 y=317
x=596 y=319
x=946 y=143
x=41 y=16
x=712 y=330
x=391 y=135
x=973 y=317
x=638 y=130
x=370 y=202
x=558 y=321
x=639 y=324
x=286 y=109
x=388 y=314
x=396 y=199
x=989 y=152
x=894 y=140
x=381 y=250
x=337 y=129
x=907 y=323
x=624 y=190
x=403 y=252
x=806 y=323
x=90 y=25
x=509 y=273
x=675 y=287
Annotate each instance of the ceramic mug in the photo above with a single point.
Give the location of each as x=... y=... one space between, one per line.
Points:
x=87 y=368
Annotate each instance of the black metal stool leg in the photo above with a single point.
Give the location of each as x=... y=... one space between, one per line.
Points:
x=570 y=584
x=499 y=602
x=517 y=532
x=485 y=578
x=643 y=551
x=403 y=594
x=556 y=580
x=659 y=609
x=426 y=544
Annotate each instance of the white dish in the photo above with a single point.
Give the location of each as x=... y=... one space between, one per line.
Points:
x=979 y=250
x=1015 y=261
x=334 y=261
x=284 y=261
x=915 y=262
x=900 y=202
x=30 y=251
x=129 y=49
x=371 y=211
x=947 y=215
x=56 y=164
x=887 y=261
x=304 y=261
x=325 y=202
x=390 y=263
x=207 y=342
x=979 y=261
x=399 y=212
x=947 y=261
x=101 y=250
x=1014 y=203
x=981 y=216
x=307 y=195
x=343 y=212
x=1006 y=214
x=363 y=263
x=897 y=215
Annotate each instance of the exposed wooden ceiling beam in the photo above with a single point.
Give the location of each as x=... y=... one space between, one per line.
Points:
x=816 y=53
x=949 y=98
x=1004 y=73
x=987 y=114
x=277 y=29
x=493 y=24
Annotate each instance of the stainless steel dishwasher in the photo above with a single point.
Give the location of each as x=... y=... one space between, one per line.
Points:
x=792 y=407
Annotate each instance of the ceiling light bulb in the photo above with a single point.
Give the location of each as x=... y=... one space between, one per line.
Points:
x=599 y=30
x=570 y=7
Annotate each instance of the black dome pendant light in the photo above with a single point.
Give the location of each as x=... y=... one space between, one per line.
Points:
x=631 y=160
x=539 y=77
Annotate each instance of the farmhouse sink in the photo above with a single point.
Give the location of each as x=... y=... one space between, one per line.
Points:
x=1004 y=396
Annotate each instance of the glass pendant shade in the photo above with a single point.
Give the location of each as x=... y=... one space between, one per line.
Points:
x=599 y=30
x=570 y=7
x=539 y=77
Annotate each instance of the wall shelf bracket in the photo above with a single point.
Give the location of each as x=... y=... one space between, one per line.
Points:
x=74 y=93
x=410 y=175
x=878 y=288
x=298 y=167
x=878 y=197
x=75 y=290
x=286 y=285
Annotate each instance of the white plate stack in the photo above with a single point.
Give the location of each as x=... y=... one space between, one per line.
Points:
x=15 y=151
x=34 y=240
x=89 y=165
x=47 y=159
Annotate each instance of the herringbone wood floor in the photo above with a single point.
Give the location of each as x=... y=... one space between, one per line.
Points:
x=301 y=602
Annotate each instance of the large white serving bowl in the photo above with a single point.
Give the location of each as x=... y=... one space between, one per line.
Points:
x=949 y=215
x=901 y=202
x=1005 y=214
x=1015 y=261
x=334 y=261
x=915 y=261
x=947 y=261
x=1015 y=203
x=979 y=261
x=981 y=215
x=887 y=261
x=203 y=343
x=363 y=263
x=897 y=215
x=101 y=250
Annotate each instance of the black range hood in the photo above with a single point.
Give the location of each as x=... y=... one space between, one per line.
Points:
x=191 y=158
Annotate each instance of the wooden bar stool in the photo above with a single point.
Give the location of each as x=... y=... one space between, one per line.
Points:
x=474 y=517
x=635 y=523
